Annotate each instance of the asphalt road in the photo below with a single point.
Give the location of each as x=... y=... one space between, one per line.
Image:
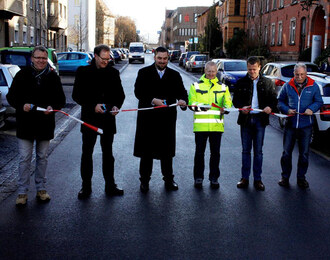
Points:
x=186 y=224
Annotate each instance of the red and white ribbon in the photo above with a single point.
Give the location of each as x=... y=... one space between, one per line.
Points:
x=94 y=128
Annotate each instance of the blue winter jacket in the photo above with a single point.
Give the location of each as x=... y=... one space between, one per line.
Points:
x=310 y=97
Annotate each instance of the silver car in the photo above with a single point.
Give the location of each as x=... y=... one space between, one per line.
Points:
x=196 y=62
x=7 y=73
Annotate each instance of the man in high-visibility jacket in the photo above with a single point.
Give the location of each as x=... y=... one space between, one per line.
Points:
x=208 y=122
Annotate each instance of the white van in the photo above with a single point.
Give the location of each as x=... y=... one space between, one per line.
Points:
x=136 y=52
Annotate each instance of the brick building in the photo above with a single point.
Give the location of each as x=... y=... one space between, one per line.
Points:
x=285 y=27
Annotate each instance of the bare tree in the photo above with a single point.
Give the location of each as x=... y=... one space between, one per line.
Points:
x=125 y=31
x=78 y=32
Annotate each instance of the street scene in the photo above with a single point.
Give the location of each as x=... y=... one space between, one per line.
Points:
x=228 y=223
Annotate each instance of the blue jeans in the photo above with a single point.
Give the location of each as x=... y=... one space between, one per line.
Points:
x=253 y=133
x=303 y=135
x=25 y=148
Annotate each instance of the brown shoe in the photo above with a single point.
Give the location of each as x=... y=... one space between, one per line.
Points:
x=258 y=185
x=284 y=182
x=243 y=183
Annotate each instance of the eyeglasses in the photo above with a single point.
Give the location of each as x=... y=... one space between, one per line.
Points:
x=40 y=58
x=104 y=59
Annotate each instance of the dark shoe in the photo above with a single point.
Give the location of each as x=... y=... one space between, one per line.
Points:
x=258 y=185
x=114 y=191
x=243 y=183
x=284 y=182
x=214 y=185
x=144 y=187
x=302 y=183
x=198 y=183
x=171 y=185
x=84 y=193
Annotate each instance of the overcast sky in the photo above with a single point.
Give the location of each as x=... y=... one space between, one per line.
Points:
x=149 y=15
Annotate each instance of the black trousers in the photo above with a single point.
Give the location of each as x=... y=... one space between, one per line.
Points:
x=86 y=168
x=146 y=169
x=199 y=164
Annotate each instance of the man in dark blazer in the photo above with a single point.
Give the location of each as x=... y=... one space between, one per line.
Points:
x=158 y=85
x=98 y=89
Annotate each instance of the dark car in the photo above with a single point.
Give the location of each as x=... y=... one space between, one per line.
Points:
x=116 y=55
x=21 y=56
x=231 y=70
x=188 y=55
x=174 y=55
x=181 y=59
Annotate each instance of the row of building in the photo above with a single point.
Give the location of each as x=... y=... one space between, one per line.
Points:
x=59 y=24
x=285 y=26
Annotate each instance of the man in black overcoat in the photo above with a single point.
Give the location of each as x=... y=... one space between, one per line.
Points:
x=98 y=89
x=158 y=85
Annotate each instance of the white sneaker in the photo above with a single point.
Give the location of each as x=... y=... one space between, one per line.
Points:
x=21 y=199
x=42 y=195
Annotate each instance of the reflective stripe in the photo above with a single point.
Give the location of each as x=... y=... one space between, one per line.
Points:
x=196 y=85
x=205 y=121
x=209 y=112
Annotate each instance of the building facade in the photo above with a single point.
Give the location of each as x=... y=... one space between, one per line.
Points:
x=82 y=24
x=105 y=24
x=287 y=26
x=33 y=22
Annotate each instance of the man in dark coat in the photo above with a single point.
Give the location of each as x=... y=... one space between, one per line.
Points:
x=253 y=91
x=157 y=85
x=98 y=89
x=32 y=87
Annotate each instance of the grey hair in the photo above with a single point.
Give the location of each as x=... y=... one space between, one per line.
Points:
x=210 y=64
x=39 y=48
x=300 y=65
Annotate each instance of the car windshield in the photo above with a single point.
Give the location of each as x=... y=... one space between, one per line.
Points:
x=136 y=49
x=200 y=58
x=3 y=81
x=235 y=66
x=287 y=71
x=192 y=53
x=18 y=59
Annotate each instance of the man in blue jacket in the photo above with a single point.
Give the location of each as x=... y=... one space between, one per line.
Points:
x=299 y=99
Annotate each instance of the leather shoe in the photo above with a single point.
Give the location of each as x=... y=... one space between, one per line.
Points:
x=284 y=182
x=114 y=191
x=144 y=187
x=171 y=185
x=258 y=185
x=214 y=185
x=302 y=183
x=84 y=193
x=198 y=183
x=243 y=183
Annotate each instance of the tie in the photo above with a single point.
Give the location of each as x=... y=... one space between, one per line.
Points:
x=160 y=74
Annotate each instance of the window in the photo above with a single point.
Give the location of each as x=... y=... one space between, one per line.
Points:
x=44 y=39
x=52 y=9
x=77 y=2
x=24 y=34
x=37 y=5
x=267 y=6
x=237 y=7
x=16 y=33
x=195 y=18
x=266 y=34
x=31 y=4
x=180 y=18
x=281 y=4
x=274 y=4
x=61 y=10
x=292 y=31
x=254 y=8
x=236 y=29
x=64 y=11
x=272 y=41
x=31 y=35
x=76 y=21
x=252 y=33
x=280 y=30
x=249 y=8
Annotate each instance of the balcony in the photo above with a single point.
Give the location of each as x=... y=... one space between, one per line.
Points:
x=57 y=16
x=10 y=8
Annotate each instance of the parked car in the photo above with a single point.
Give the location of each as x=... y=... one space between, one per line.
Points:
x=7 y=73
x=196 y=62
x=70 y=61
x=174 y=55
x=2 y=112
x=181 y=59
x=116 y=55
x=282 y=71
x=121 y=53
x=188 y=55
x=21 y=56
x=230 y=71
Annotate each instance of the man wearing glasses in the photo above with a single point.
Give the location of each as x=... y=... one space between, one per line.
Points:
x=99 y=92
x=32 y=87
